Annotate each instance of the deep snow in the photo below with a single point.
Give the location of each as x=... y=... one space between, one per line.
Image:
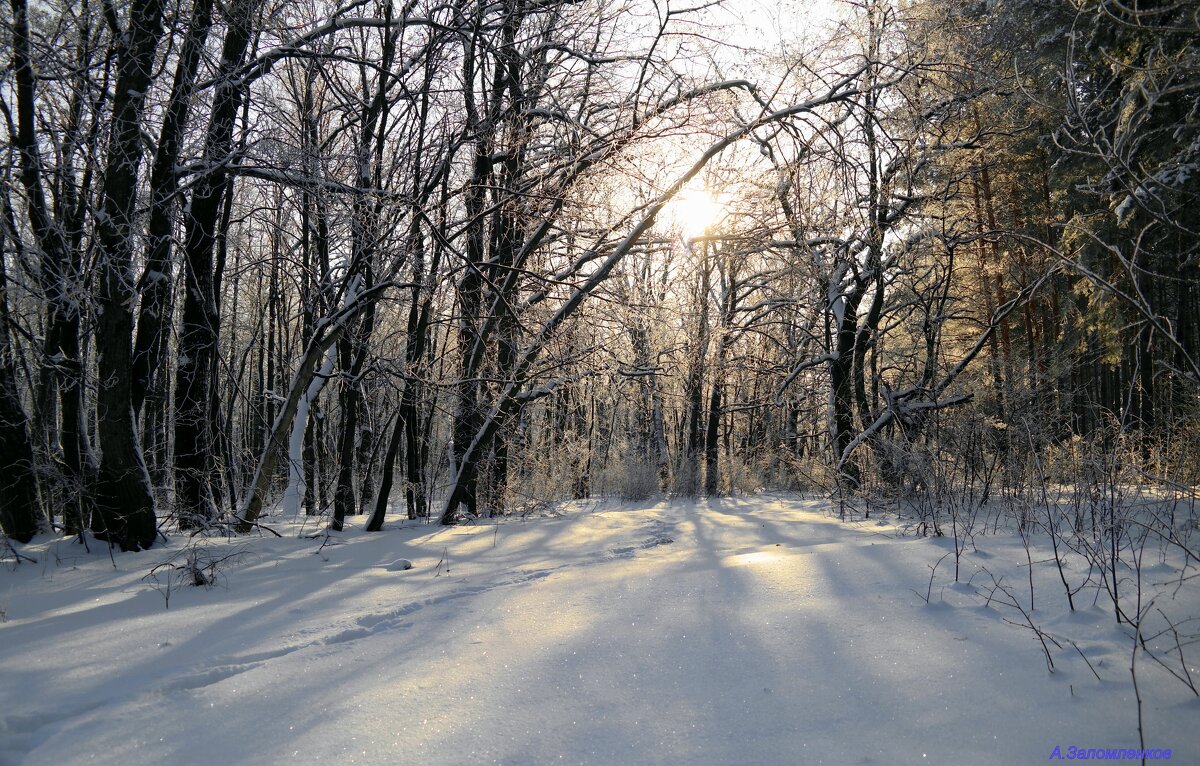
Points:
x=751 y=630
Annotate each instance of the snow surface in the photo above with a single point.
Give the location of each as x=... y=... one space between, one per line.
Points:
x=751 y=630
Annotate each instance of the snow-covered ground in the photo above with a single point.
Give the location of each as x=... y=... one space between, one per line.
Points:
x=744 y=630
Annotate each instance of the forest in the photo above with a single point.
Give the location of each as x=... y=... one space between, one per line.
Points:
x=473 y=256
x=483 y=255
x=598 y=373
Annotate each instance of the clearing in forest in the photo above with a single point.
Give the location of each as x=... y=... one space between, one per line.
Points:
x=739 y=630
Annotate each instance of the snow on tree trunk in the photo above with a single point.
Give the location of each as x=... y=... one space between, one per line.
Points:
x=297 y=481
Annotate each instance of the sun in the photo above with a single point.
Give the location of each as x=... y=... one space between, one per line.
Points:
x=694 y=212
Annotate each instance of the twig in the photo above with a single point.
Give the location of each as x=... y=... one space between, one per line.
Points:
x=1137 y=633
x=257 y=524
x=1028 y=621
x=1085 y=659
x=932 y=573
x=18 y=557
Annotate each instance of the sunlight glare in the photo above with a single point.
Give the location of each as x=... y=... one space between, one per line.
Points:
x=694 y=212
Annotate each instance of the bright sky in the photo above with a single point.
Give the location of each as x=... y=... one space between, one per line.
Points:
x=762 y=24
x=766 y=26
x=693 y=211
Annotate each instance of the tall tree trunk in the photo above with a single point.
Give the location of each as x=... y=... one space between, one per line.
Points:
x=468 y=414
x=315 y=246
x=20 y=512
x=199 y=322
x=996 y=363
x=419 y=350
x=841 y=378
x=693 y=452
x=712 y=447
x=651 y=431
x=354 y=347
x=124 y=511
x=352 y=355
x=419 y=315
x=60 y=265
x=375 y=521
x=156 y=284
x=989 y=208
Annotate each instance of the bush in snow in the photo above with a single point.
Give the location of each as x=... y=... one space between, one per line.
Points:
x=630 y=478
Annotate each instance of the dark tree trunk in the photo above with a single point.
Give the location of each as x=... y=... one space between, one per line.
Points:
x=352 y=353
x=124 y=512
x=343 y=494
x=60 y=264
x=354 y=348
x=375 y=521
x=315 y=252
x=694 y=384
x=20 y=514
x=712 y=437
x=995 y=362
x=841 y=375
x=414 y=463
x=366 y=456
x=220 y=446
x=468 y=415
x=712 y=447
x=154 y=315
x=419 y=313
x=198 y=326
